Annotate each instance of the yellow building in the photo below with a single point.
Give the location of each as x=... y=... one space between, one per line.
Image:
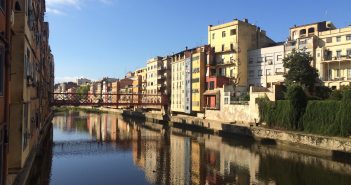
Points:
x=231 y=42
x=142 y=72
x=188 y=80
x=305 y=38
x=333 y=57
x=329 y=47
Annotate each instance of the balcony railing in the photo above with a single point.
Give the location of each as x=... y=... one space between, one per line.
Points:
x=337 y=58
x=337 y=79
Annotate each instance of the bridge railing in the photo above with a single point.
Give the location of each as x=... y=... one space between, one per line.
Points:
x=108 y=99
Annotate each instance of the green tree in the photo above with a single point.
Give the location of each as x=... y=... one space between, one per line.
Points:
x=83 y=91
x=300 y=69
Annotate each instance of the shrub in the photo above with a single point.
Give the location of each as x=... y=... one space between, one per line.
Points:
x=298 y=100
x=335 y=95
x=320 y=116
x=276 y=114
x=323 y=92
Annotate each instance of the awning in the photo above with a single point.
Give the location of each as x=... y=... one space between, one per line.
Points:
x=212 y=92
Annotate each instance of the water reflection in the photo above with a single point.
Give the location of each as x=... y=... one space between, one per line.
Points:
x=108 y=149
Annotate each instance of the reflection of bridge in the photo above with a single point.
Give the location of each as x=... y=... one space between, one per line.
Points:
x=79 y=99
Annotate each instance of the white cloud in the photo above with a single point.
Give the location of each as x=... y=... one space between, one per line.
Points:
x=58 y=7
x=54 y=11
x=75 y=3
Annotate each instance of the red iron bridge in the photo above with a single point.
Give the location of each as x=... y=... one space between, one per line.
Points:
x=107 y=99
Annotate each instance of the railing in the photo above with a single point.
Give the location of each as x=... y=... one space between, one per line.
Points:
x=107 y=99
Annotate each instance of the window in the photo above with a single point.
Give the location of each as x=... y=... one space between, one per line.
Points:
x=259 y=73
x=338 y=39
x=231 y=73
x=278 y=70
x=269 y=60
x=302 y=41
x=251 y=73
x=233 y=32
x=226 y=101
x=329 y=39
x=2 y=4
x=310 y=30
x=213 y=36
x=268 y=72
x=338 y=53
x=348 y=74
x=231 y=46
x=302 y=32
x=211 y=85
x=338 y=73
x=279 y=57
x=223 y=34
x=222 y=47
x=2 y=71
x=348 y=37
x=251 y=60
x=348 y=52
x=260 y=59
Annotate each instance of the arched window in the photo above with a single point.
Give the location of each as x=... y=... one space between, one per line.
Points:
x=302 y=32
x=17 y=6
x=311 y=30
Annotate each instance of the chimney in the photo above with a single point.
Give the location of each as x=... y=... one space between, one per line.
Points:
x=246 y=20
x=186 y=48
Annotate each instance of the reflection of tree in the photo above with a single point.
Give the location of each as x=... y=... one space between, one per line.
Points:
x=81 y=124
x=292 y=171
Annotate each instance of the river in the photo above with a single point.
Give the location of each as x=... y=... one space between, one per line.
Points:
x=107 y=149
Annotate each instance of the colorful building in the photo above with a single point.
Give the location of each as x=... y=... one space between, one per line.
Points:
x=231 y=42
x=142 y=72
x=188 y=80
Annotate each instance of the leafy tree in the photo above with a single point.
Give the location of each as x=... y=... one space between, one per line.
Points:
x=300 y=69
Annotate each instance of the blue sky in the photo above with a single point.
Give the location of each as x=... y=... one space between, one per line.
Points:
x=97 y=38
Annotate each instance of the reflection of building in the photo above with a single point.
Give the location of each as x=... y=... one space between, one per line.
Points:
x=180 y=155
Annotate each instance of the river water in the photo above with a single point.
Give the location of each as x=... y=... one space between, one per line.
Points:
x=107 y=149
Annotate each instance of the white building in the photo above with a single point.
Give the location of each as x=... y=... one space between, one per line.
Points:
x=265 y=66
x=83 y=81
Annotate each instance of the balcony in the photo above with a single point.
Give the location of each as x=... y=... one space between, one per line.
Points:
x=234 y=48
x=290 y=45
x=160 y=77
x=328 y=59
x=335 y=79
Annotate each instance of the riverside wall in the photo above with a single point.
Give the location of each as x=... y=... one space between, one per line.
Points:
x=316 y=144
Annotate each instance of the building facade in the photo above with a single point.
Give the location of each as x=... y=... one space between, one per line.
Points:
x=32 y=67
x=265 y=67
x=142 y=72
x=188 y=80
x=152 y=75
x=231 y=42
x=333 y=57
x=5 y=60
